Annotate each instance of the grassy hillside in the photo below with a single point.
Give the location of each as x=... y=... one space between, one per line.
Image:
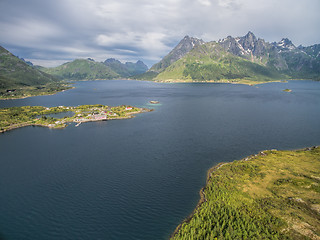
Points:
x=18 y=79
x=81 y=69
x=15 y=73
x=210 y=62
x=272 y=195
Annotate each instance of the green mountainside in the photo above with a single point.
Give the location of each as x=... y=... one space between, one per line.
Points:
x=14 y=72
x=183 y=47
x=81 y=69
x=88 y=69
x=242 y=59
x=18 y=79
x=211 y=62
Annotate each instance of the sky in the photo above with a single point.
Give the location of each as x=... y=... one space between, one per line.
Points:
x=52 y=32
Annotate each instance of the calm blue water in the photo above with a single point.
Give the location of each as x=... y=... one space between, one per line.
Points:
x=139 y=178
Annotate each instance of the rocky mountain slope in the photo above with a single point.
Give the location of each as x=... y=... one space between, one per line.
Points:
x=211 y=62
x=297 y=62
x=183 y=47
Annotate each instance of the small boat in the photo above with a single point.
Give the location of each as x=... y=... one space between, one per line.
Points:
x=154 y=102
x=78 y=124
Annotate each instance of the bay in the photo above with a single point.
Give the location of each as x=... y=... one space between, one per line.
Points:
x=139 y=178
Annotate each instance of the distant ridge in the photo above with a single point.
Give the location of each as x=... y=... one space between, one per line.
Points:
x=126 y=69
x=88 y=69
x=83 y=69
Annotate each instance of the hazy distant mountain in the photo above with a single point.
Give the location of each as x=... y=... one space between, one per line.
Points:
x=81 y=69
x=126 y=69
x=16 y=73
x=237 y=59
x=27 y=62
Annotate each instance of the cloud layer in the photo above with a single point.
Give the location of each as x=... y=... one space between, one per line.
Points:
x=55 y=31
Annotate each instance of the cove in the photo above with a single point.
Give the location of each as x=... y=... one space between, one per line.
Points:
x=139 y=178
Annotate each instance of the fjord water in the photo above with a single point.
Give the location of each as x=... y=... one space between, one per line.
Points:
x=139 y=178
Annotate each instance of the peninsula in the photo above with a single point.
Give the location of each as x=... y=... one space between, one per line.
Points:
x=271 y=195
x=16 y=117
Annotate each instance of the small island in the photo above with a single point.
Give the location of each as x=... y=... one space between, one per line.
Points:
x=287 y=90
x=270 y=195
x=16 y=117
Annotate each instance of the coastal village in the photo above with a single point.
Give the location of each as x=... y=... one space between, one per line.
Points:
x=103 y=114
x=17 y=117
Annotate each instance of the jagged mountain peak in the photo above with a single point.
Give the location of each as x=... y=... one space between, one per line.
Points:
x=189 y=42
x=228 y=38
x=250 y=35
x=249 y=41
x=244 y=46
x=112 y=60
x=286 y=44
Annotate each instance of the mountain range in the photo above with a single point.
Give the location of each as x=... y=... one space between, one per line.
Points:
x=20 y=78
x=245 y=59
x=239 y=59
x=111 y=68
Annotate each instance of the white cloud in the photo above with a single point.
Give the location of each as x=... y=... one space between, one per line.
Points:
x=229 y=3
x=28 y=32
x=143 y=29
x=205 y=2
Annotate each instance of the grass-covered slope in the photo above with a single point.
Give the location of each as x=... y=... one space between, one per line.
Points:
x=183 y=47
x=18 y=79
x=210 y=62
x=273 y=195
x=16 y=73
x=83 y=69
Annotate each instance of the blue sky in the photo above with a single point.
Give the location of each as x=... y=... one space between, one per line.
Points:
x=51 y=32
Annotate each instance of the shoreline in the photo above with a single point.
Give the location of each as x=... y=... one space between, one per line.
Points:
x=48 y=94
x=243 y=82
x=210 y=173
x=202 y=197
x=172 y=81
